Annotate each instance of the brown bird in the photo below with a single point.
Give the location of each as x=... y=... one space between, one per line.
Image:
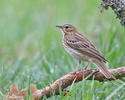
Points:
x=78 y=46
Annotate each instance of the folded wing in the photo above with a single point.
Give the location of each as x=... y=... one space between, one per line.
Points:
x=84 y=46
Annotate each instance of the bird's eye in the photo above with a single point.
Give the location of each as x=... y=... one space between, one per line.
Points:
x=66 y=27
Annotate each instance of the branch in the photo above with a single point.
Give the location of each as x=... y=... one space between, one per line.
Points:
x=118 y=6
x=68 y=79
x=64 y=82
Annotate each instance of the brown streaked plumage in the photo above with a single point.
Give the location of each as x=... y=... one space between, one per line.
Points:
x=77 y=45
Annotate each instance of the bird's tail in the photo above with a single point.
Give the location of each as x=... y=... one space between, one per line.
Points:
x=104 y=70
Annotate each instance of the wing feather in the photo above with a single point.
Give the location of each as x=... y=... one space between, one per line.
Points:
x=84 y=46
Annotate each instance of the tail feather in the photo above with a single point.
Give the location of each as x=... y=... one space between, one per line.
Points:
x=104 y=70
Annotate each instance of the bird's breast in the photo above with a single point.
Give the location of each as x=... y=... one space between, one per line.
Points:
x=75 y=53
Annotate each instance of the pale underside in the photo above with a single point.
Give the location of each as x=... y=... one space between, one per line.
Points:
x=76 y=54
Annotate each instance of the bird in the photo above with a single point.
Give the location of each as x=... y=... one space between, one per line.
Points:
x=81 y=48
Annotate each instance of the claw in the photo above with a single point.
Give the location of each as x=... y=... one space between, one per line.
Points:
x=73 y=73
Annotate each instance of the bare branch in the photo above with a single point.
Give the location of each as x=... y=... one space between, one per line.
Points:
x=63 y=82
x=68 y=79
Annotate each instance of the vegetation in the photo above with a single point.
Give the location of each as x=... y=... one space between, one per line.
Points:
x=31 y=51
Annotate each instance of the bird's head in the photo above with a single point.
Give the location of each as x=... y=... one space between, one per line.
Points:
x=67 y=29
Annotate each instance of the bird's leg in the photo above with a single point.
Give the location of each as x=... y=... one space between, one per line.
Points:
x=86 y=68
x=76 y=68
x=87 y=65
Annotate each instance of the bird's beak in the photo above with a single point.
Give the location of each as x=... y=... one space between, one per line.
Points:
x=61 y=27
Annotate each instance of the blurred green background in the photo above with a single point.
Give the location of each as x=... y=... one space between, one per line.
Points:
x=31 y=51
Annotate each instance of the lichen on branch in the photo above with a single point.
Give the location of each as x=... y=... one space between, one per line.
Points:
x=118 y=6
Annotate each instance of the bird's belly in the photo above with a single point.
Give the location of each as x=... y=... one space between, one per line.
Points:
x=76 y=54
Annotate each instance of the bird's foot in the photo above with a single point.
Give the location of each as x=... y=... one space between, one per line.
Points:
x=84 y=71
x=73 y=73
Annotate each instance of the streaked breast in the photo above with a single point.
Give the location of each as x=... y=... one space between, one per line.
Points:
x=75 y=53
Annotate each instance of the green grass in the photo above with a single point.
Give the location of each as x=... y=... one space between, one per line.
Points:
x=31 y=51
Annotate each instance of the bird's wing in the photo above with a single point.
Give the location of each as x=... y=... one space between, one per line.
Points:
x=84 y=46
